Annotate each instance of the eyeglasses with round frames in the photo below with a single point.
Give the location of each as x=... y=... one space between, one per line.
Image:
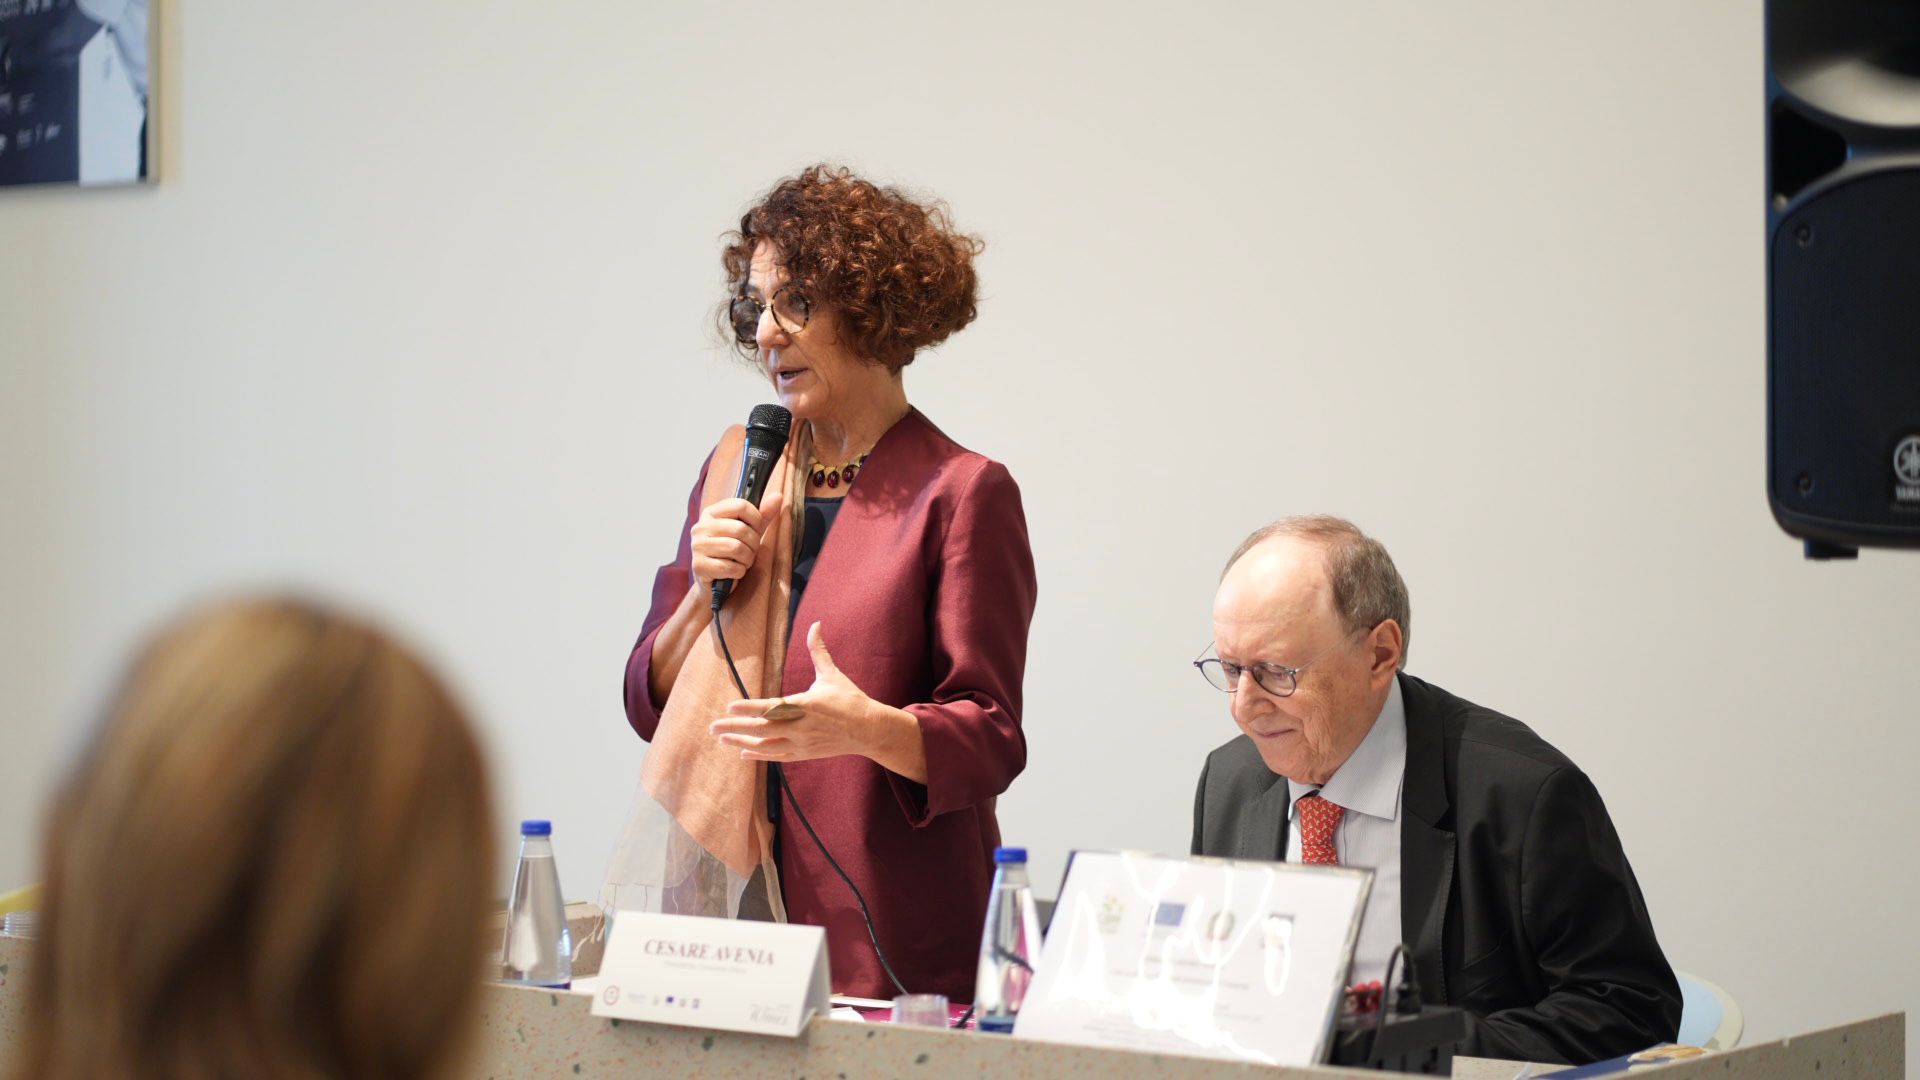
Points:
x=1276 y=679
x=791 y=310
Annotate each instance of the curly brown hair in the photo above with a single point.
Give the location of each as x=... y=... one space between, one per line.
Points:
x=892 y=268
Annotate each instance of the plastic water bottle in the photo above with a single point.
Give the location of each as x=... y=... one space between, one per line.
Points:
x=537 y=950
x=1009 y=945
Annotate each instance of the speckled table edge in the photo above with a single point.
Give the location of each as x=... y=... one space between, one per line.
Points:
x=538 y=1033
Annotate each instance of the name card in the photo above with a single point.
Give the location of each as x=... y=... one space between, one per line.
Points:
x=734 y=975
x=1216 y=958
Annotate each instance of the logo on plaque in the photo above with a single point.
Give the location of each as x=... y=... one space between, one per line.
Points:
x=1906 y=470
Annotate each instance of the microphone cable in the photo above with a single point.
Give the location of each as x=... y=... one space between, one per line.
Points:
x=865 y=914
x=1405 y=1000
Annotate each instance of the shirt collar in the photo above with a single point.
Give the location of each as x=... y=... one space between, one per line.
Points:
x=1368 y=782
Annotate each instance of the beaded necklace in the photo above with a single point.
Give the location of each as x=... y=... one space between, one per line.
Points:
x=831 y=476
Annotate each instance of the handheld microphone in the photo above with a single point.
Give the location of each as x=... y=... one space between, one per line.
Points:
x=767 y=428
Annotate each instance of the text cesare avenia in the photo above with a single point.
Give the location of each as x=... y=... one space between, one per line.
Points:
x=701 y=950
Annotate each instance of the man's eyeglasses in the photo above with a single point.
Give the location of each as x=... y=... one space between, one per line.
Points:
x=791 y=310
x=1276 y=679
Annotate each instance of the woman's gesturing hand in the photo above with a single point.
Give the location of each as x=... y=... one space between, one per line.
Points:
x=727 y=537
x=830 y=718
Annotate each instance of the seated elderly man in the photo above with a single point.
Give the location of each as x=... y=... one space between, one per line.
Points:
x=1494 y=859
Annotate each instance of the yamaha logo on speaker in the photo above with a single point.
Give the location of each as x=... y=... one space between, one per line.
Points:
x=1906 y=470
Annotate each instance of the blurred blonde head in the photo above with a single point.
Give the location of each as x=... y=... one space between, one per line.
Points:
x=274 y=860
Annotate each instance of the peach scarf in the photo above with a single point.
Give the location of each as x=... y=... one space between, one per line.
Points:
x=698 y=841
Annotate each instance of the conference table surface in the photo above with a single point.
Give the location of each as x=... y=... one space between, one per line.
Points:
x=541 y=1033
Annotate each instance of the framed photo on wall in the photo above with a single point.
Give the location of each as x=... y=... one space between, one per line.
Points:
x=75 y=92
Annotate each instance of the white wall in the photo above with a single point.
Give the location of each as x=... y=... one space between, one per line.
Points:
x=418 y=316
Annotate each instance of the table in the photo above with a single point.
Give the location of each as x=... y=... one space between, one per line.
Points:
x=542 y=1033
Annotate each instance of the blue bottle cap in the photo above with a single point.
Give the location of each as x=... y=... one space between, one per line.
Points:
x=536 y=828
x=1009 y=854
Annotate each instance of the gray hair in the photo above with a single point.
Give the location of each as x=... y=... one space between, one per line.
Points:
x=1366 y=586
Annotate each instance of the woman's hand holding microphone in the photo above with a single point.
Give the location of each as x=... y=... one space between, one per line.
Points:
x=724 y=541
x=728 y=536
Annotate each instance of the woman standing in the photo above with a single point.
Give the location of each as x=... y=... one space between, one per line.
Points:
x=883 y=592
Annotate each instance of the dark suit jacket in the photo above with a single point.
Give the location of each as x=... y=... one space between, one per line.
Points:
x=924 y=591
x=1516 y=899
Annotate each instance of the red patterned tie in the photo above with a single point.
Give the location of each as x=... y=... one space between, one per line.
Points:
x=1318 y=819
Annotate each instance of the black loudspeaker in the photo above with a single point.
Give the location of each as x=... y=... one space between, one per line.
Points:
x=1843 y=273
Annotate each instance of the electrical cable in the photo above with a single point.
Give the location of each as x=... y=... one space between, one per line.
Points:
x=865 y=914
x=1401 y=955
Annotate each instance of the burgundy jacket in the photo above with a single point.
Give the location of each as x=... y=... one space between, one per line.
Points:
x=924 y=592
